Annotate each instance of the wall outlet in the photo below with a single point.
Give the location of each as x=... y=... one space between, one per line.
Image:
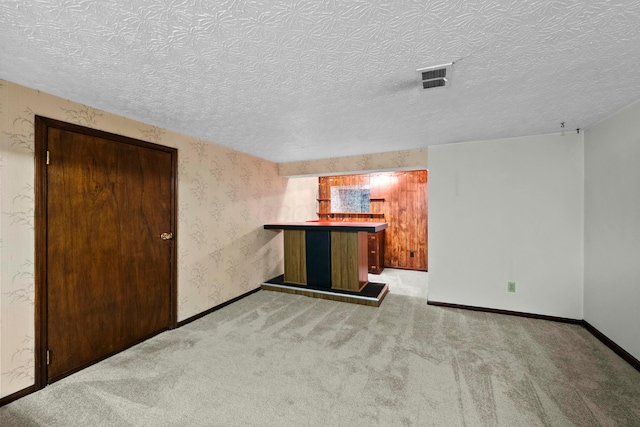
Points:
x=511 y=286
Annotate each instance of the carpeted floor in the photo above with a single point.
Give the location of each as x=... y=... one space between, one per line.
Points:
x=275 y=359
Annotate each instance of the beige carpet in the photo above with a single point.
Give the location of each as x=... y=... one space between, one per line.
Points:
x=275 y=359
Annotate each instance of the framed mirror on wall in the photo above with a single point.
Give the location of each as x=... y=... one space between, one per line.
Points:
x=350 y=198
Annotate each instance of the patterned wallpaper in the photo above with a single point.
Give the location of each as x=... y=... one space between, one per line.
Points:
x=378 y=162
x=224 y=197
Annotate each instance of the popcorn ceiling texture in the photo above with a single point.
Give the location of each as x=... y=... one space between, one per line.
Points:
x=305 y=80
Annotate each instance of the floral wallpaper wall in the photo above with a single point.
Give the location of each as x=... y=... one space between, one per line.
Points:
x=394 y=160
x=224 y=198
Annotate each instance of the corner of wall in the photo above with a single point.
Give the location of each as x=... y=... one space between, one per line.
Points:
x=612 y=230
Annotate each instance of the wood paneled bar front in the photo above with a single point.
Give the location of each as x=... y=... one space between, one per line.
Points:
x=327 y=254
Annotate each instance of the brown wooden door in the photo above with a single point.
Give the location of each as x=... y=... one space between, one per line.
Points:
x=108 y=272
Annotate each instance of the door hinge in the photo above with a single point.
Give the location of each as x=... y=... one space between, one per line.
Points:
x=48 y=357
x=47 y=156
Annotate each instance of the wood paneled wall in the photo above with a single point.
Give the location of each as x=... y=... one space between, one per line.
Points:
x=398 y=198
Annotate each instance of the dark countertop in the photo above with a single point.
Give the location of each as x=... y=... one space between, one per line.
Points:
x=371 y=227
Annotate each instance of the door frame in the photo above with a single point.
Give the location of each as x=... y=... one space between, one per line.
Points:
x=41 y=130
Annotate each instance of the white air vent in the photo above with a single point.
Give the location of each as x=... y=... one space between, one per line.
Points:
x=435 y=77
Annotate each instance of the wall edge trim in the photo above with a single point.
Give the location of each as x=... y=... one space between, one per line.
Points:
x=217 y=307
x=507 y=312
x=17 y=395
x=625 y=355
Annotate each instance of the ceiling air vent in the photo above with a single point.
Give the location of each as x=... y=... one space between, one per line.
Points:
x=435 y=77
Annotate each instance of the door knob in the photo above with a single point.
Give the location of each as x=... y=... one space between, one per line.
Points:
x=166 y=236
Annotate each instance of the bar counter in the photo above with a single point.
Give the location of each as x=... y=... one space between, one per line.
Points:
x=326 y=254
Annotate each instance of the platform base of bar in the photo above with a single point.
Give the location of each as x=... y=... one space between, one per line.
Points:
x=372 y=294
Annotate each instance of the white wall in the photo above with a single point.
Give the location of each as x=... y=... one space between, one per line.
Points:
x=612 y=228
x=508 y=210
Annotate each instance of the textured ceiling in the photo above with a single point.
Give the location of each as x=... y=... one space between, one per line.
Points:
x=301 y=80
